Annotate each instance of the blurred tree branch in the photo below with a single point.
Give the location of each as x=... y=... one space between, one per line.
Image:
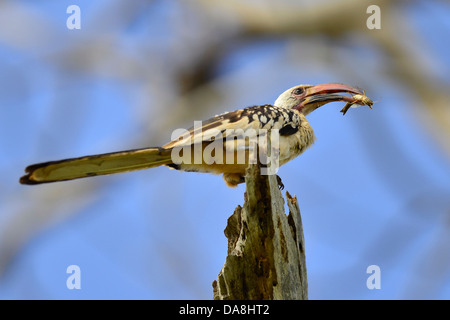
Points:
x=339 y=19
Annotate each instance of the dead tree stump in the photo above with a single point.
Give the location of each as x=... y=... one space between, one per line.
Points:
x=266 y=251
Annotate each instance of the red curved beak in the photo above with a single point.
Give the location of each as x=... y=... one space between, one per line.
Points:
x=318 y=95
x=334 y=88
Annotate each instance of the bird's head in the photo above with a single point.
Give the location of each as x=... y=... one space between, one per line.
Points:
x=307 y=98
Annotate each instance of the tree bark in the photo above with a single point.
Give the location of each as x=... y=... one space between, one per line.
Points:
x=266 y=251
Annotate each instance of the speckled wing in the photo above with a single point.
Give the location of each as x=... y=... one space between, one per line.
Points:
x=250 y=121
x=242 y=124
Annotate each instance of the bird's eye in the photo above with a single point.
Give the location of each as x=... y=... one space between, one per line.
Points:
x=298 y=91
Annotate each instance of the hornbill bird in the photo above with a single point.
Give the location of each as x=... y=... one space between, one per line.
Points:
x=286 y=116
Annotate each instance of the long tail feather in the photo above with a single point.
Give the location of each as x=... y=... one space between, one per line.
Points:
x=101 y=164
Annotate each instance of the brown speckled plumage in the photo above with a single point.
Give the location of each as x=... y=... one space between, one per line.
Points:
x=232 y=129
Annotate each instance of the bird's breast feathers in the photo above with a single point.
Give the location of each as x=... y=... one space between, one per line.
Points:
x=234 y=131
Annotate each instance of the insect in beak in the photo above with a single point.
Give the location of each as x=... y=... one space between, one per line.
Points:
x=358 y=100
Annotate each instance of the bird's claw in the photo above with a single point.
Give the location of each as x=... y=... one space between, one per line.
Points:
x=280 y=183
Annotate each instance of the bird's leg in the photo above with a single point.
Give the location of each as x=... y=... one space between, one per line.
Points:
x=233 y=179
x=280 y=183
